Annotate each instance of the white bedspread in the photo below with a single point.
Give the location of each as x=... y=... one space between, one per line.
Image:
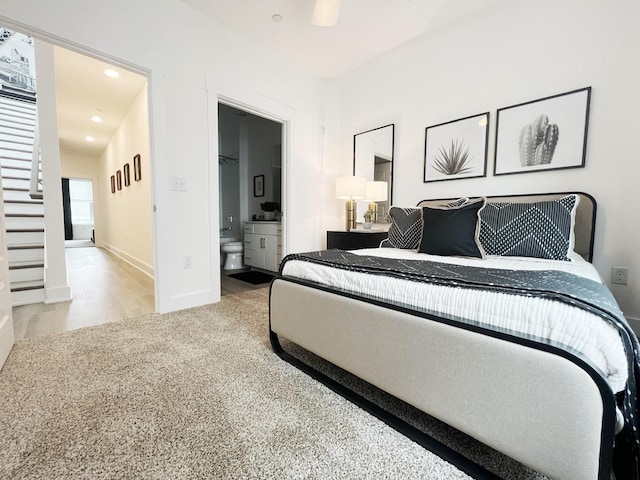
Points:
x=586 y=333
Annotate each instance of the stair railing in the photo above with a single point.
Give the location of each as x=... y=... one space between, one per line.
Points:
x=35 y=190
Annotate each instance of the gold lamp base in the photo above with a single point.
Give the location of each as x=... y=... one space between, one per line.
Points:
x=373 y=208
x=351 y=207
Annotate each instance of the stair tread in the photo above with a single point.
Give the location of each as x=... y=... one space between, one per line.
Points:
x=27 y=285
x=26 y=264
x=25 y=215
x=25 y=246
x=28 y=202
x=24 y=230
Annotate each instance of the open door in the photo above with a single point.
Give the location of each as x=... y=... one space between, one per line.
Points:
x=6 y=317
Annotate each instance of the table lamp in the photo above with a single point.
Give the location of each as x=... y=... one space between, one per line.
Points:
x=350 y=189
x=375 y=192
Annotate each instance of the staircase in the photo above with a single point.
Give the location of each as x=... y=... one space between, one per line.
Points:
x=23 y=205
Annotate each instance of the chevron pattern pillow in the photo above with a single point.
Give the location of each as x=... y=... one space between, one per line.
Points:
x=406 y=228
x=539 y=229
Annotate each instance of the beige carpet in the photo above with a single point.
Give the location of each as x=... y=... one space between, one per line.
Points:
x=193 y=394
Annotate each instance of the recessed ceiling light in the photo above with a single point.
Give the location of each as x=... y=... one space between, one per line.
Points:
x=276 y=17
x=96 y=119
x=109 y=72
x=89 y=138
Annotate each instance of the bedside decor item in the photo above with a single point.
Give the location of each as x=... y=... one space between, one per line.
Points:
x=137 y=169
x=375 y=192
x=350 y=189
x=456 y=149
x=258 y=186
x=367 y=219
x=545 y=134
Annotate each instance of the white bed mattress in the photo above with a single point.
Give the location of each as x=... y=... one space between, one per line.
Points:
x=595 y=339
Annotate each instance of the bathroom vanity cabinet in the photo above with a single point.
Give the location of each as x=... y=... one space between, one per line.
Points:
x=263 y=245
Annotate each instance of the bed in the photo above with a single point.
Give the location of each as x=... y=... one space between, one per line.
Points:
x=475 y=339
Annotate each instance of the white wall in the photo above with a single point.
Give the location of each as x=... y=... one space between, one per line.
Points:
x=191 y=61
x=518 y=52
x=126 y=227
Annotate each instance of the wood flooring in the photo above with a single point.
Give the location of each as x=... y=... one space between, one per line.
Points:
x=105 y=288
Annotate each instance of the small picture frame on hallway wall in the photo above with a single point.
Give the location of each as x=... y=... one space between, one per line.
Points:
x=127 y=174
x=113 y=184
x=119 y=179
x=258 y=186
x=137 y=170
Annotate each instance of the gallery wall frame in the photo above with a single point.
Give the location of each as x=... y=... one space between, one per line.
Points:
x=137 y=168
x=113 y=184
x=549 y=133
x=258 y=186
x=127 y=174
x=119 y=179
x=456 y=149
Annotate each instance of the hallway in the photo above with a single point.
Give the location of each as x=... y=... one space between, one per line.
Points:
x=104 y=288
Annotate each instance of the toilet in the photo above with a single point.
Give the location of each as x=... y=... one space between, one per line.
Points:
x=231 y=248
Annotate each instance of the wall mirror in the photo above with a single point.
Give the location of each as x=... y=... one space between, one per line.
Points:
x=373 y=159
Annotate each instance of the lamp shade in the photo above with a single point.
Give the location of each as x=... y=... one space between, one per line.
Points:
x=350 y=187
x=376 y=191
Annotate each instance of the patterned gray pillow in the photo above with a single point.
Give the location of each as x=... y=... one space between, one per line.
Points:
x=406 y=226
x=538 y=229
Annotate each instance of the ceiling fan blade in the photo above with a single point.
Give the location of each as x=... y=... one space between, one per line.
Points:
x=326 y=13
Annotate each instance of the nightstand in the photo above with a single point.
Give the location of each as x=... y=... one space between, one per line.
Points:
x=355 y=240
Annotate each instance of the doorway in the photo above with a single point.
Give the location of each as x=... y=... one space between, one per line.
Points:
x=250 y=191
x=77 y=203
x=102 y=116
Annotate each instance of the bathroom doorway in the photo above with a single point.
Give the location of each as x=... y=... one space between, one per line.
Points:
x=250 y=178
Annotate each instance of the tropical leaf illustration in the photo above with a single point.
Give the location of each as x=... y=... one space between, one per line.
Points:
x=454 y=160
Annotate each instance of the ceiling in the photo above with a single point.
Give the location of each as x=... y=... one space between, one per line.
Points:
x=82 y=91
x=365 y=29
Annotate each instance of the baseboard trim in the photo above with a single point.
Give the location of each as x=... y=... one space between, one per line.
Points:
x=133 y=261
x=57 y=294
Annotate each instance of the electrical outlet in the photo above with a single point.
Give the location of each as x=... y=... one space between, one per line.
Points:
x=619 y=275
x=179 y=184
x=187 y=261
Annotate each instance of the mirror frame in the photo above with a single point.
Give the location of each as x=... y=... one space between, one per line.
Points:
x=360 y=218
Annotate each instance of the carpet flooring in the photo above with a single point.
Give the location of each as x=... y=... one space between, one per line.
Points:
x=198 y=394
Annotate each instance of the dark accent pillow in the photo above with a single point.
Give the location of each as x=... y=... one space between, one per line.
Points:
x=406 y=226
x=538 y=229
x=452 y=231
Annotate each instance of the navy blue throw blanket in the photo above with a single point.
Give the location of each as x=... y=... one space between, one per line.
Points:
x=558 y=286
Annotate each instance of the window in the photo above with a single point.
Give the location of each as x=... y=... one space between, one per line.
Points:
x=81 y=194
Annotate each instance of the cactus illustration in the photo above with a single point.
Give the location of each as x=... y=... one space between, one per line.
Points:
x=538 y=142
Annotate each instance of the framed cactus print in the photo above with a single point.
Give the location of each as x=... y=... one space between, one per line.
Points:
x=456 y=149
x=545 y=134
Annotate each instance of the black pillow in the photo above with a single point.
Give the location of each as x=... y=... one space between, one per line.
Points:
x=452 y=231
